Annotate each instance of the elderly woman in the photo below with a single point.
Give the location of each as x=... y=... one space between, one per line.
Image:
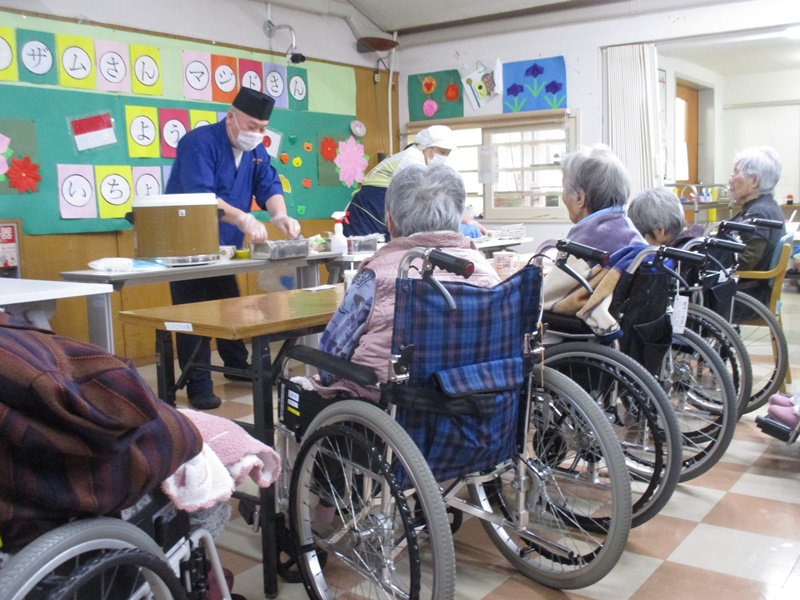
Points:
x=658 y=215
x=752 y=185
x=424 y=205
x=596 y=188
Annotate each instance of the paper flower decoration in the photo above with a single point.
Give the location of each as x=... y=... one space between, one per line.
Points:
x=328 y=149
x=23 y=175
x=306 y=182
x=308 y=146
x=429 y=107
x=552 y=99
x=534 y=71
x=515 y=90
x=428 y=85
x=4 y=142
x=284 y=157
x=297 y=161
x=351 y=162
x=451 y=92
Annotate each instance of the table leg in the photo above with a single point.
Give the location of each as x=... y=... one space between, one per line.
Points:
x=165 y=366
x=101 y=328
x=264 y=430
x=308 y=276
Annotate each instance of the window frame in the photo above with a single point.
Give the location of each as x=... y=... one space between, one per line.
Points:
x=491 y=124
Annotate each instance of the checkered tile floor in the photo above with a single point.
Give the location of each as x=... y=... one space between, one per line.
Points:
x=732 y=533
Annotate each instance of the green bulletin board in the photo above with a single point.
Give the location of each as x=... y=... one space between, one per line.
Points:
x=38 y=112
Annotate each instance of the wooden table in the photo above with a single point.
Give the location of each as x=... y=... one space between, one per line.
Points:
x=278 y=316
x=25 y=295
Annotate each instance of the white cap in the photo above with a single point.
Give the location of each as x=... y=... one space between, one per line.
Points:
x=436 y=136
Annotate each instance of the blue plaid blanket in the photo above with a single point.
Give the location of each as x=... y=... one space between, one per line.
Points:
x=469 y=357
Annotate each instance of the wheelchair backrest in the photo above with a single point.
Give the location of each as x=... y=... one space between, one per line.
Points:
x=466 y=370
x=488 y=324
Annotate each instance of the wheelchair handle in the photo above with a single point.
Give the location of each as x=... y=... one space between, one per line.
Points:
x=583 y=251
x=736 y=226
x=459 y=266
x=725 y=244
x=767 y=223
x=684 y=256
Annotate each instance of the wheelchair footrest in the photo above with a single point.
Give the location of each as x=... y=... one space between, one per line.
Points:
x=774 y=428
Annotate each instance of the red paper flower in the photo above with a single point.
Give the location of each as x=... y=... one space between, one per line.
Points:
x=428 y=85
x=23 y=175
x=328 y=149
x=284 y=157
x=306 y=182
x=451 y=92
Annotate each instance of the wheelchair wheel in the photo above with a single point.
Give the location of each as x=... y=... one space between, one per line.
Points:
x=121 y=575
x=562 y=510
x=766 y=344
x=723 y=338
x=388 y=534
x=704 y=400
x=640 y=413
x=31 y=572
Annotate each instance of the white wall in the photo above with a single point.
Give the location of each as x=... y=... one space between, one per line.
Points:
x=581 y=44
x=236 y=22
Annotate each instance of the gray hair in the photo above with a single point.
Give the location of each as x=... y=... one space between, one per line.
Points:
x=657 y=208
x=425 y=198
x=761 y=162
x=599 y=174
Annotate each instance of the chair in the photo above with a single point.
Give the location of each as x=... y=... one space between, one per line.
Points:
x=776 y=274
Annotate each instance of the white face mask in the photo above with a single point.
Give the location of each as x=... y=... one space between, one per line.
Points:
x=247 y=140
x=437 y=159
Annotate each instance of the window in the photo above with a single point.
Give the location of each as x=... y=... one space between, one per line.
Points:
x=511 y=169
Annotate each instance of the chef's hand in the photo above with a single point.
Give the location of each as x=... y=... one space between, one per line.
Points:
x=289 y=226
x=252 y=227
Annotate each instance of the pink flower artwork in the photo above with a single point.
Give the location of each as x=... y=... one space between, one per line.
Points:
x=4 y=142
x=351 y=162
x=429 y=107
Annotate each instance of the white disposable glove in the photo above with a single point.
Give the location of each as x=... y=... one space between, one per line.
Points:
x=290 y=227
x=252 y=227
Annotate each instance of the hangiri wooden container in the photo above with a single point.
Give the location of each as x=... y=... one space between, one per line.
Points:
x=176 y=229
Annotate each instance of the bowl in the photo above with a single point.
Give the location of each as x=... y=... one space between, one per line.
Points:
x=242 y=253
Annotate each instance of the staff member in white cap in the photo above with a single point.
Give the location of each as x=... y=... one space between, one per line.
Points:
x=229 y=160
x=368 y=207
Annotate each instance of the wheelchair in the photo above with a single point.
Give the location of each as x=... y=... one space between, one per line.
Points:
x=759 y=332
x=678 y=376
x=149 y=552
x=469 y=421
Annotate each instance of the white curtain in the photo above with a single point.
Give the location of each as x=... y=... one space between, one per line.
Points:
x=632 y=123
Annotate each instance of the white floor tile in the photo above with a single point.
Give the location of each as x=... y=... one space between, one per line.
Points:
x=626 y=577
x=767 y=483
x=732 y=552
x=745 y=453
x=692 y=503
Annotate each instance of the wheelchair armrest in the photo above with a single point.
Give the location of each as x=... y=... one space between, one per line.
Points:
x=333 y=364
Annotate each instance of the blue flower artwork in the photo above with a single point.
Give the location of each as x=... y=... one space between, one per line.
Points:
x=538 y=84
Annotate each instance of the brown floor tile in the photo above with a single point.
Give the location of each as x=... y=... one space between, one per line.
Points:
x=473 y=547
x=721 y=476
x=780 y=457
x=756 y=515
x=672 y=581
x=747 y=431
x=659 y=537
x=235 y=562
x=521 y=587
